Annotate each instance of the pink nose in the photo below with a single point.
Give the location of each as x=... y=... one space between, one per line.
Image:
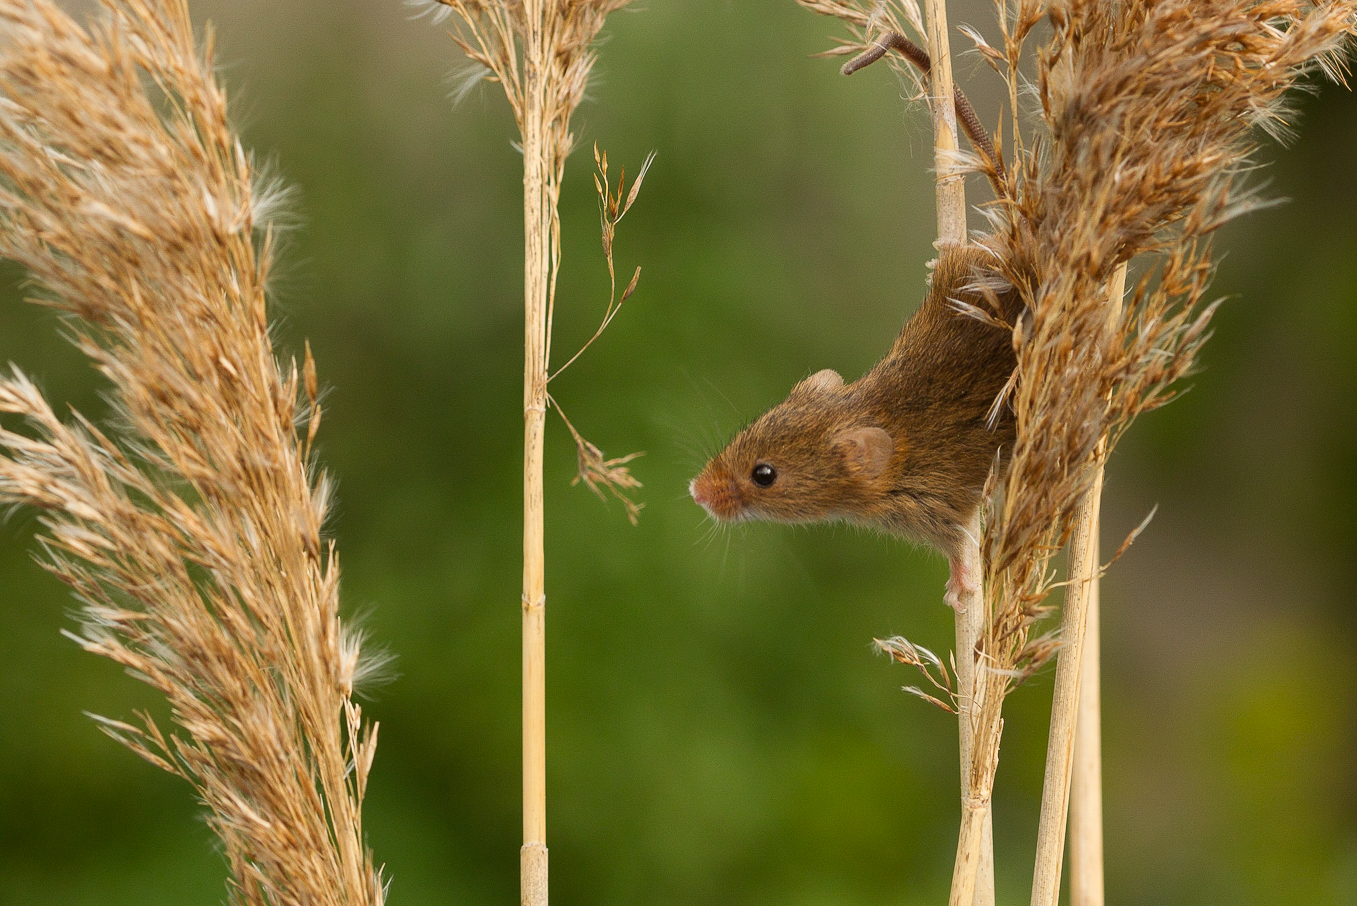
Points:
x=701 y=494
x=718 y=496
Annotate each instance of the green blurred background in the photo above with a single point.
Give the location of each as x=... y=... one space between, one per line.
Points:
x=719 y=730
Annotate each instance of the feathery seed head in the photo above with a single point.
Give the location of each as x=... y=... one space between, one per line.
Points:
x=191 y=534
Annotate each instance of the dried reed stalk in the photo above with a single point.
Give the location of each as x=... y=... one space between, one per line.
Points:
x=970 y=625
x=976 y=884
x=972 y=883
x=189 y=528
x=1086 y=784
x=1148 y=108
x=540 y=51
x=1086 y=772
x=1065 y=699
x=951 y=184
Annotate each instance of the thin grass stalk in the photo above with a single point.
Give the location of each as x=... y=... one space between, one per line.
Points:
x=970 y=615
x=538 y=211
x=1055 y=793
x=1086 y=790
x=540 y=52
x=970 y=625
x=970 y=621
x=951 y=184
x=975 y=839
x=1086 y=785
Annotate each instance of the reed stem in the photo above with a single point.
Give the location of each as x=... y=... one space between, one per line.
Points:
x=1086 y=785
x=1055 y=796
x=970 y=879
x=970 y=625
x=951 y=187
x=977 y=829
x=1071 y=670
x=1086 y=789
x=537 y=220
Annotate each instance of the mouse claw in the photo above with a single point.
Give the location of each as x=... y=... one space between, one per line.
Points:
x=960 y=585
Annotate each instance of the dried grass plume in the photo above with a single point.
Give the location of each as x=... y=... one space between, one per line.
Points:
x=1147 y=111
x=190 y=527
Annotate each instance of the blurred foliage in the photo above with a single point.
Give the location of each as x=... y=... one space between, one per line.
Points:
x=718 y=730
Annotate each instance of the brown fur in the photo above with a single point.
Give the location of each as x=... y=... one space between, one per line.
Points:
x=932 y=393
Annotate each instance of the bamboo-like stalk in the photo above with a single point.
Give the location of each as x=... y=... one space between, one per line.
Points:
x=1086 y=790
x=537 y=218
x=969 y=619
x=1086 y=785
x=539 y=50
x=951 y=185
x=1069 y=667
x=978 y=865
x=975 y=840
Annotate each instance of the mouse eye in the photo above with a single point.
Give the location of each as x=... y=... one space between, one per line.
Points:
x=764 y=475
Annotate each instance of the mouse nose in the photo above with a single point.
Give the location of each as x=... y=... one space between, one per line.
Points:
x=699 y=493
x=720 y=498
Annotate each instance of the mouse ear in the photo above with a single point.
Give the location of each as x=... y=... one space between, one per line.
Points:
x=866 y=451
x=820 y=382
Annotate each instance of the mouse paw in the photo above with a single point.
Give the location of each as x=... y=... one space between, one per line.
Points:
x=960 y=585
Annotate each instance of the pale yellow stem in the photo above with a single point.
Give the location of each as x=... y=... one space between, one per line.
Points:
x=970 y=625
x=975 y=842
x=1069 y=672
x=951 y=207
x=1086 y=790
x=970 y=846
x=951 y=187
x=1060 y=744
x=537 y=226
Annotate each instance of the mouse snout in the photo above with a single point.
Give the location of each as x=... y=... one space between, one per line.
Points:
x=718 y=496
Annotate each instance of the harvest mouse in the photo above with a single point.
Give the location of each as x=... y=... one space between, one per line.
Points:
x=906 y=448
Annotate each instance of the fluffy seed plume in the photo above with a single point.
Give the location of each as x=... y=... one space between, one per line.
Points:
x=541 y=52
x=1147 y=109
x=190 y=530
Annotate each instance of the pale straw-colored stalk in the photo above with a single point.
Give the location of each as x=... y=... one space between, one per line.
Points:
x=540 y=51
x=1086 y=784
x=971 y=884
x=974 y=871
x=1086 y=773
x=973 y=880
x=541 y=191
x=1146 y=108
x=1065 y=700
x=189 y=526
x=951 y=184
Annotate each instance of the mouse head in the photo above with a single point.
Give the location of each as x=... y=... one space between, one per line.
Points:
x=811 y=457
